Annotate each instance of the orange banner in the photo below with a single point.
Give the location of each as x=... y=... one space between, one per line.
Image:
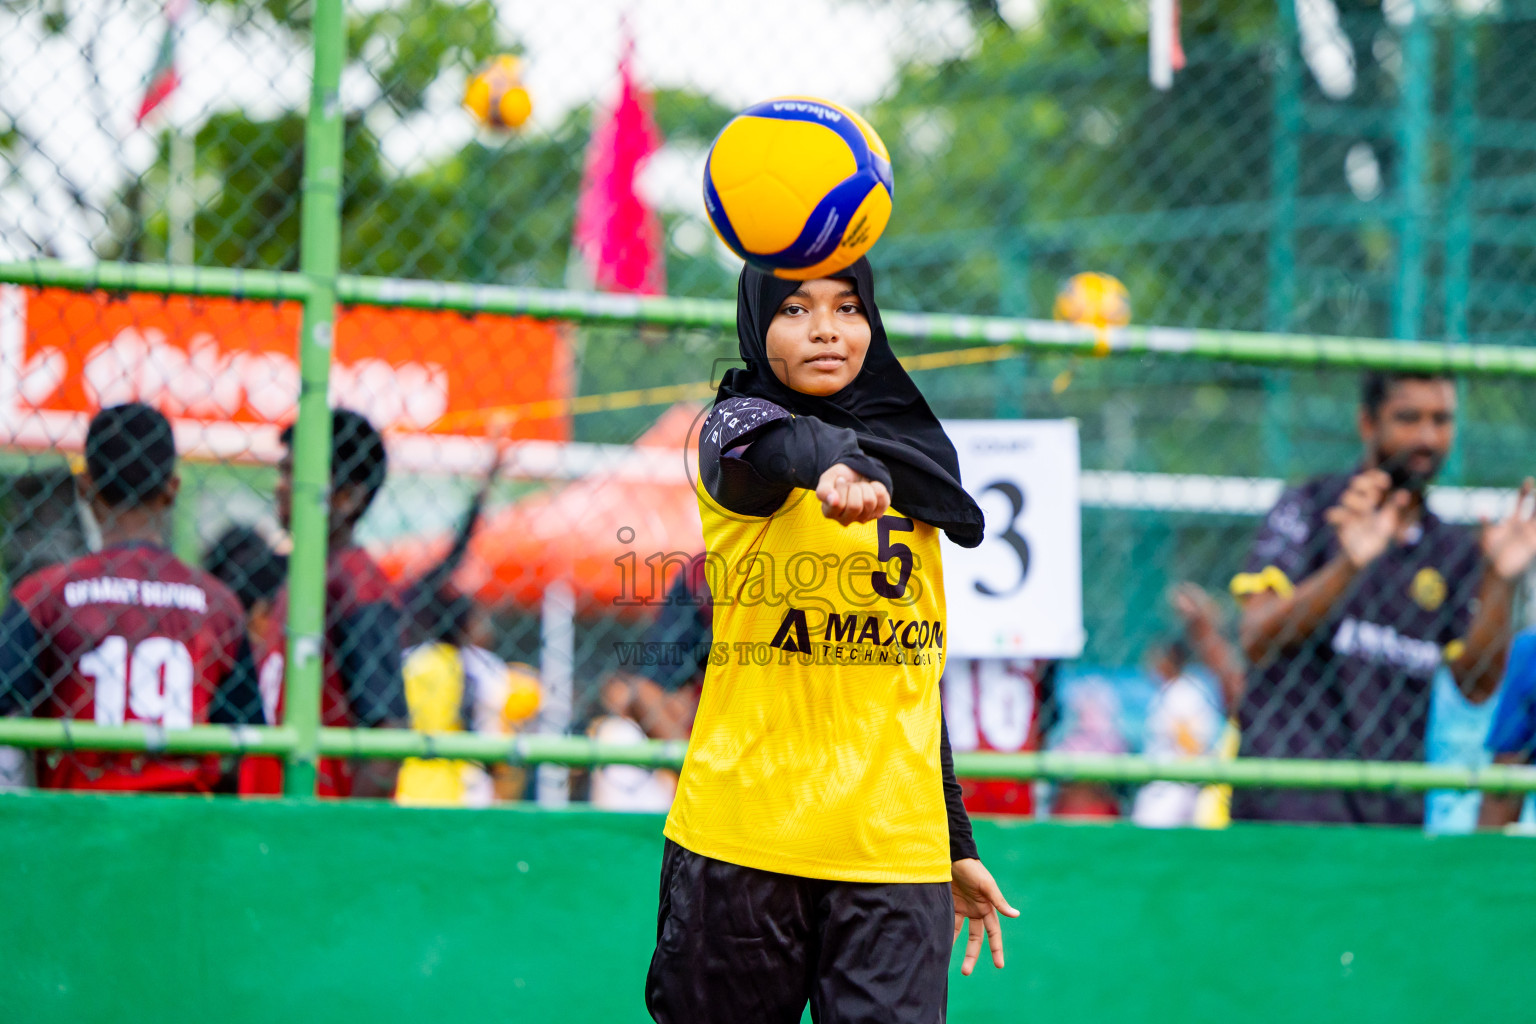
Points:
x=232 y=363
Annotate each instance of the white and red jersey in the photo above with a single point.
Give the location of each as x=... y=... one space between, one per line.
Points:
x=993 y=704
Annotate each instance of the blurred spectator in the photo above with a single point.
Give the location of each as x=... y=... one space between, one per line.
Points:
x=1091 y=725
x=1355 y=593
x=17 y=769
x=1512 y=737
x=1185 y=718
x=1457 y=735
x=453 y=684
x=433 y=609
x=656 y=695
x=1182 y=723
x=130 y=633
x=1205 y=630
x=44 y=526
x=659 y=688
x=997 y=704
x=44 y=522
x=627 y=787
x=244 y=562
x=362 y=684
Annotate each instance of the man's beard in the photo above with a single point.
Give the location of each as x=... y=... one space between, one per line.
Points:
x=1404 y=476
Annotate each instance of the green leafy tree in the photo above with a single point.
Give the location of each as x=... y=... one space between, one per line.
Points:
x=496 y=208
x=1015 y=160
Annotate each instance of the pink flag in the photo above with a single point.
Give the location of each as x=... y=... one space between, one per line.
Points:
x=617 y=234
x=162 y=79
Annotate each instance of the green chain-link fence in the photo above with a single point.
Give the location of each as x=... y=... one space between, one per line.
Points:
x=1340 y=172
x=1336 y=167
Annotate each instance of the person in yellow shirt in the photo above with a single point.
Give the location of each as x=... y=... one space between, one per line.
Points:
x=453 y=684
x=817 y=850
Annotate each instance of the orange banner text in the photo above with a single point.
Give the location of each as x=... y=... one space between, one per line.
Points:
x=226 y=370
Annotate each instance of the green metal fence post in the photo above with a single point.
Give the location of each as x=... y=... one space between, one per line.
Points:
x=1287 y=121
x=319 y=254
x=1414 y=122
x=1458 y=232
x=1463 y=154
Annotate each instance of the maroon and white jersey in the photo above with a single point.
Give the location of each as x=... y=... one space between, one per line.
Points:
x=362 y=681
x=994 y=704
x=130 y=634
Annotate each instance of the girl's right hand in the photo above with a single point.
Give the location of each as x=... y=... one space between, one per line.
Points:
x=849 y=497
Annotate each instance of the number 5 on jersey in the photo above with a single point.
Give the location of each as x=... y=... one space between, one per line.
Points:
x=880 y=579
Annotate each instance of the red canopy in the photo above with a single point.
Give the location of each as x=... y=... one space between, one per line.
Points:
x=583 y=532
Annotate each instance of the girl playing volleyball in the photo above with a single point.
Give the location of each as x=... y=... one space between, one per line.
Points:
x=817 y=850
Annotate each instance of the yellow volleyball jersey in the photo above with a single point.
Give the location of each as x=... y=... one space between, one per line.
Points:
x=815 y=751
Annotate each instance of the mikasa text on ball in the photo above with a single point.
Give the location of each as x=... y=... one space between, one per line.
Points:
x=798 y=187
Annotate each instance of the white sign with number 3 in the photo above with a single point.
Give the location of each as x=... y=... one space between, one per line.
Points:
x=1020 y=594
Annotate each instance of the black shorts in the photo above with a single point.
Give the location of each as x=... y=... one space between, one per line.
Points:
x=737 y=945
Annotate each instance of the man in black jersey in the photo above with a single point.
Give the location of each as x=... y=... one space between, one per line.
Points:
x=1355 y=594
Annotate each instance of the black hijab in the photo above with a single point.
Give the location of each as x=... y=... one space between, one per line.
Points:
x=881 y=405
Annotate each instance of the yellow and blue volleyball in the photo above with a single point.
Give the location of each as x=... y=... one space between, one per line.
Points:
x=1093 y=299
x=798 y=187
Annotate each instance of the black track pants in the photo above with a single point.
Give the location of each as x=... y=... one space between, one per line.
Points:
x=737 y=945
